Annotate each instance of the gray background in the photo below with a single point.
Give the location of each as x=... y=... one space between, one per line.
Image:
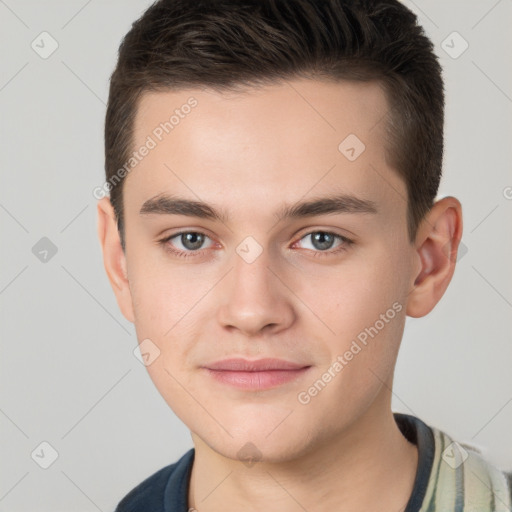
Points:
x=68 y=373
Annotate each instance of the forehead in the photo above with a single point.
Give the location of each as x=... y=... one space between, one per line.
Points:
x=267 y=145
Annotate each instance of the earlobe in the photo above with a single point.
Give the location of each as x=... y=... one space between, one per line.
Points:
x=437 y=242
x=114 y=258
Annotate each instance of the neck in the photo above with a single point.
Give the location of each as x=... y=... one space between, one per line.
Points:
x=369 y=466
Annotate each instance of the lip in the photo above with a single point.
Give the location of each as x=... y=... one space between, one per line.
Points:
x=255 y=375
x=258 y=365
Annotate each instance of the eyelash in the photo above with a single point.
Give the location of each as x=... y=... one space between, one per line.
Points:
x=187 y=254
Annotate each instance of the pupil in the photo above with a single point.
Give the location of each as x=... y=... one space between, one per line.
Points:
x=192 y=240
x=322 y=240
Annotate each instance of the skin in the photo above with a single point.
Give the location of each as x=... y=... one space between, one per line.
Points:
x=248 y=154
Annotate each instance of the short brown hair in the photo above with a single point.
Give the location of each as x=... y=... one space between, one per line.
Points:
x=225 y=44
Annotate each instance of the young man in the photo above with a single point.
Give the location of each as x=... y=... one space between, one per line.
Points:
x=272 y=168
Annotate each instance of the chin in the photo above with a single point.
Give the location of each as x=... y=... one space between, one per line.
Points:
x=252 y=443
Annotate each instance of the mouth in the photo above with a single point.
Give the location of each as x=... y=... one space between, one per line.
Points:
x=255 y=375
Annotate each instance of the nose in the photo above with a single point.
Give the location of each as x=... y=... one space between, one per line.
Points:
x=254 y=299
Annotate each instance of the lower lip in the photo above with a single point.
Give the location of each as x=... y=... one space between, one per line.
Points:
x=257 y=380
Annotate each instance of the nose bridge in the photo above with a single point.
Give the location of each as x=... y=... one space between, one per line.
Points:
x=250 y=272
x=251 y=286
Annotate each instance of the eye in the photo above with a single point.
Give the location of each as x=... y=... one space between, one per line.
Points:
x=186 y=242
x=324 y=241
x=192 y=243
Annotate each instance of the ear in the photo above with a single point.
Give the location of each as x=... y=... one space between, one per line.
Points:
x=114 y=258
x=436 y=245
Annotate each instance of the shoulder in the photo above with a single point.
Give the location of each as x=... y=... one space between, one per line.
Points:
x=149 y=495
x=463 y=478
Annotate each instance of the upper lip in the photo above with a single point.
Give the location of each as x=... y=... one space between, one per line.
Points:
x=245 y=365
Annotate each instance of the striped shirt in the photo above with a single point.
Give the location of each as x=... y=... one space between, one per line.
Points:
x=451 y=477
x=461 y=480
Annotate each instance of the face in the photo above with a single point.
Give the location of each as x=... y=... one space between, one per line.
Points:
x=268 y=224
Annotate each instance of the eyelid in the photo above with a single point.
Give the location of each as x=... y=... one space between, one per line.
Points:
x=315 y=228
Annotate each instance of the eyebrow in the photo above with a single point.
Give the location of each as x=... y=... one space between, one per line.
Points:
x=163 y=204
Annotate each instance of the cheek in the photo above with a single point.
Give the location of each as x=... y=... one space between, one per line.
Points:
x=165 y=315
x=164 y=296
x=171 y=310
x=351 y=297
x=360 y=310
